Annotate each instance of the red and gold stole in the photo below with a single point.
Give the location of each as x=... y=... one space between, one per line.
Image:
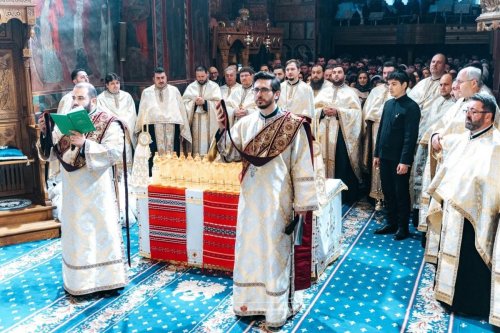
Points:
x=101 y=121
x=271 y=141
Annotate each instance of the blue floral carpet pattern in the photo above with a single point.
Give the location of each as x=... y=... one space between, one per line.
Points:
x=376 y=285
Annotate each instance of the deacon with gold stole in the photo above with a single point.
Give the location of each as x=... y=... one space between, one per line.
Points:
x=372 y=113
x=242 y=102
x=296 y=96
x=199 y=99
x=91 y=237
x=339 y=121
x=162 y=114
x=277 y=180
x=465 y=205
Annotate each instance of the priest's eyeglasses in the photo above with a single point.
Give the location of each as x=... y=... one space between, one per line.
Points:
x=262 y=90
x=474 y=111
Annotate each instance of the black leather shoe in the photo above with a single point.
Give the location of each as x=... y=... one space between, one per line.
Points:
x=401 y=234
x=386 y=229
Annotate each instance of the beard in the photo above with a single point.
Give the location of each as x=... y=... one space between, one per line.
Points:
x=316 y=84
x=471 y=125
x=264 y=103
x=338 y=83
x=202 y=82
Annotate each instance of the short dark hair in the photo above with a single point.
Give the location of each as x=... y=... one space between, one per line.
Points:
x=275 y=83
x=389 y=64
x=279 y=67
x=488 y=101
x=248 y=70
x=317 y=65
x=339 y=66
x=294 y=61
x=75 y=72
x=400 y=76
x=201 y=69
x=111 y=77
x=158 y=70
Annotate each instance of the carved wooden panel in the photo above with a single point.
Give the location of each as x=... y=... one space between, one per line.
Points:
x=8 y=100
x=5 y=32
x=9 y=135
x=24 y=11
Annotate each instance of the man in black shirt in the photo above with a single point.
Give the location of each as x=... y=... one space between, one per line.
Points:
x=394 y=151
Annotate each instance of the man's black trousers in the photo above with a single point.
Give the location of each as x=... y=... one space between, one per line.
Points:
x=396 y=193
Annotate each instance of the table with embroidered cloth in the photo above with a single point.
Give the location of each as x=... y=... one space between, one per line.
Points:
x=198 y=227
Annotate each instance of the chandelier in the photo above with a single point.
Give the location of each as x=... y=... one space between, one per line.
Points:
x=267 y=40
x=248 y=38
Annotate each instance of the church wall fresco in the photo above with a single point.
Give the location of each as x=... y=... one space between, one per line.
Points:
x=85 y=34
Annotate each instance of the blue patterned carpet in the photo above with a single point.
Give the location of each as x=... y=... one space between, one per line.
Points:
x=377 y=285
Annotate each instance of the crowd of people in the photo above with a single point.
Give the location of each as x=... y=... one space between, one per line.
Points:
x=421 y=139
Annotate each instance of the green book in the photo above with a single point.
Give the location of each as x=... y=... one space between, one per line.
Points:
x=78 y=120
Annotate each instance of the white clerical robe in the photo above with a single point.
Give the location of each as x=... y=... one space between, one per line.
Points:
x=121 y=105
x=91 y=238
x=241 y=98
x=203 y=121
x=54 y=174
x=438 y=109
x=465 y=188
x=263 y=274
x=372 y=113
x=227 y=91
x=163 y=108
x=425 y=93
x=297 y=98
x=349 y=121
x=65 y=104
x=451 y=124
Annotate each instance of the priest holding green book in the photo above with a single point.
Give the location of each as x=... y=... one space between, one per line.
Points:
x=91 y=239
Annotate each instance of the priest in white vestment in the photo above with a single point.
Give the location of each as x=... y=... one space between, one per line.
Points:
x=54 y=176
x=121 y=104
x=372 y=113
x=199 y=100
x=91 y=238
x=66 y=102
x=470 y=83
x=231 y=85
x=427 y=90
x=263 y=271
x=465 y=206
x=339 y=124
x=242 y=101
x=438 y=109
x=296 y=96
x=162 y=114
x=318 y=82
